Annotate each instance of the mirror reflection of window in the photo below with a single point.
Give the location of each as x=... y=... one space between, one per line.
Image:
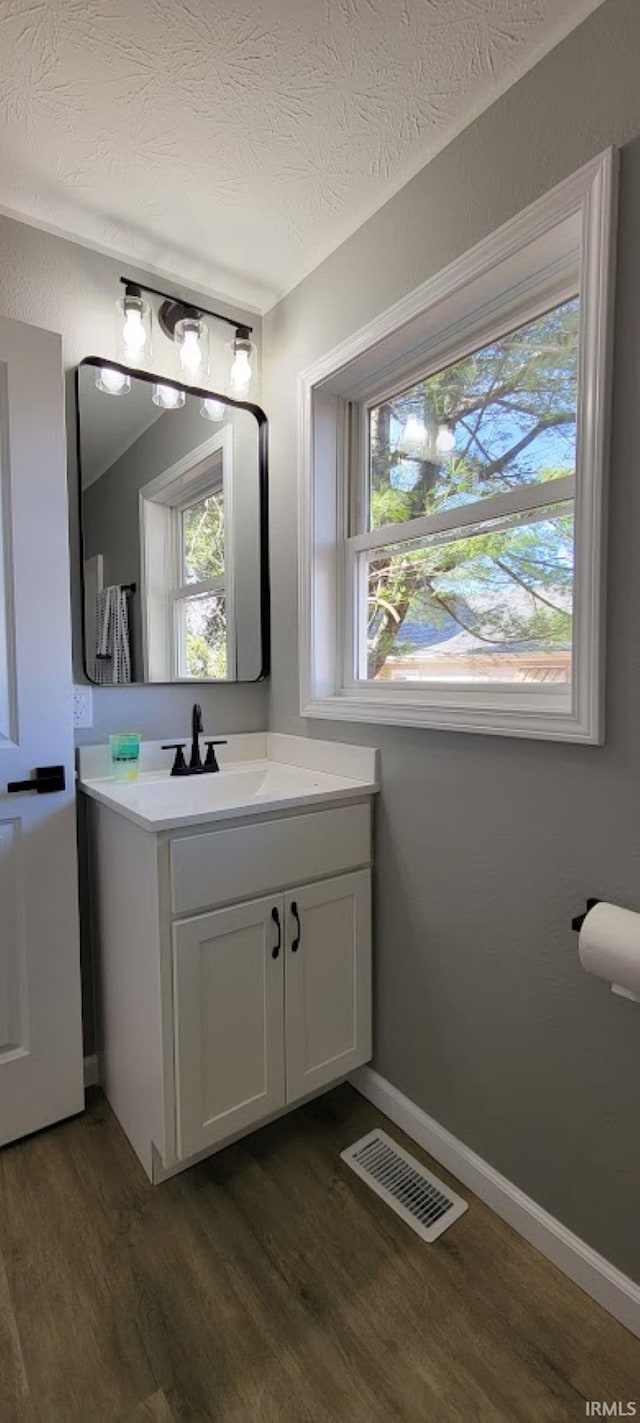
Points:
x=188 y=567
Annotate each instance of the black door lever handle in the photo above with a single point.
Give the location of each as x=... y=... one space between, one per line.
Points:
x=45 y=780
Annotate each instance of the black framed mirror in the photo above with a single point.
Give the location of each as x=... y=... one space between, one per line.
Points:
x=173 y=494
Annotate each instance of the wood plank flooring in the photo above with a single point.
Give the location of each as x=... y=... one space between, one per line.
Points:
x=269 y=1285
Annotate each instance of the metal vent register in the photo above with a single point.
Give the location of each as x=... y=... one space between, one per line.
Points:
x=426 y=1204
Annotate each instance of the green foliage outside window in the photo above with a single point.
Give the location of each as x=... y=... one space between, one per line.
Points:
x=203 y=542
x=511 y=409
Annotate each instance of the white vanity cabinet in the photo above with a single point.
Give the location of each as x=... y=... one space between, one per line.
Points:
x=271 y=1002
x=233 y=969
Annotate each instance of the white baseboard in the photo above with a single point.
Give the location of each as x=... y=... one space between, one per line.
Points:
x=613 y=1290
x=91 y=1071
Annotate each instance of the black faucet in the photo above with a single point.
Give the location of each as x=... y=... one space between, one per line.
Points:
x=196 y=766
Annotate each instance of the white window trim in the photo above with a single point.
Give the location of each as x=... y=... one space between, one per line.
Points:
x=174 y=489
x=566 y=237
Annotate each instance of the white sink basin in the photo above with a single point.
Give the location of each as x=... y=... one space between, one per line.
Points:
x=159 y=801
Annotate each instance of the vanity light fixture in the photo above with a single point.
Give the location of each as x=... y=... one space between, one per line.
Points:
x=113 y=382
x=213 y=410
x=168 y=397
x=134 y=326
x=183 y=323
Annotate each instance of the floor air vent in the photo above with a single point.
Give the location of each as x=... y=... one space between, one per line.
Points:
x=426 y=1204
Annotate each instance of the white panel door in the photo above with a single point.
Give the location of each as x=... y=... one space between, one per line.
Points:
x=40 y=1016
x=327 y=981
x=228 y=1021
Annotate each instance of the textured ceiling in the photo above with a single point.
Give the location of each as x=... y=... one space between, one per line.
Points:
x=234 y=143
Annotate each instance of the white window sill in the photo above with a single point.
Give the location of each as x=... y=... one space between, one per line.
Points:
x=547 y=718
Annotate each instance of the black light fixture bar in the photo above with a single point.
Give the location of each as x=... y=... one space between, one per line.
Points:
x=241 y=329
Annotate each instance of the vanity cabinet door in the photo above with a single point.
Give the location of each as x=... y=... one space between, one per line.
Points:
x=327 y=981
x=228 y=972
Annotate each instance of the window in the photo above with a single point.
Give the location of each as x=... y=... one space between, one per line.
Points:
x=187 y=583
x=484 y=594
x=451 y=512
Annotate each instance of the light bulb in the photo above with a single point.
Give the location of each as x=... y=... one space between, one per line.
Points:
x=213 y=410
x=192 y=337
x=241 y=373
x=190 y=353
x=113 y=382
x=134 y=326
x=167 y=397
x=133 y=332
x=414 y=437
x=446 y=439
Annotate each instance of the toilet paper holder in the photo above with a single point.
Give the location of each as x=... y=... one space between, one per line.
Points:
x=576 y=924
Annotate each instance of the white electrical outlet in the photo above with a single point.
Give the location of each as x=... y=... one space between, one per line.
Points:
x=82 y=707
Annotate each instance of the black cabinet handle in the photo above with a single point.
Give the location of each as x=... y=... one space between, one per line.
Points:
x=45 y=780
x=296 y=942
x=276 y=919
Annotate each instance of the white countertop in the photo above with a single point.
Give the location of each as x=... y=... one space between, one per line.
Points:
x=259 y=773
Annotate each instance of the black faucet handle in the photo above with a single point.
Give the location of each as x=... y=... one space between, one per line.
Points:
x=211 y=760
x=179 y=765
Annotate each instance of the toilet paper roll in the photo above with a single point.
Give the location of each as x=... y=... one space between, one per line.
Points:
x=609 y=946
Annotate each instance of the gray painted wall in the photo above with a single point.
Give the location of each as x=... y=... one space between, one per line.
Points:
x=485 y=847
